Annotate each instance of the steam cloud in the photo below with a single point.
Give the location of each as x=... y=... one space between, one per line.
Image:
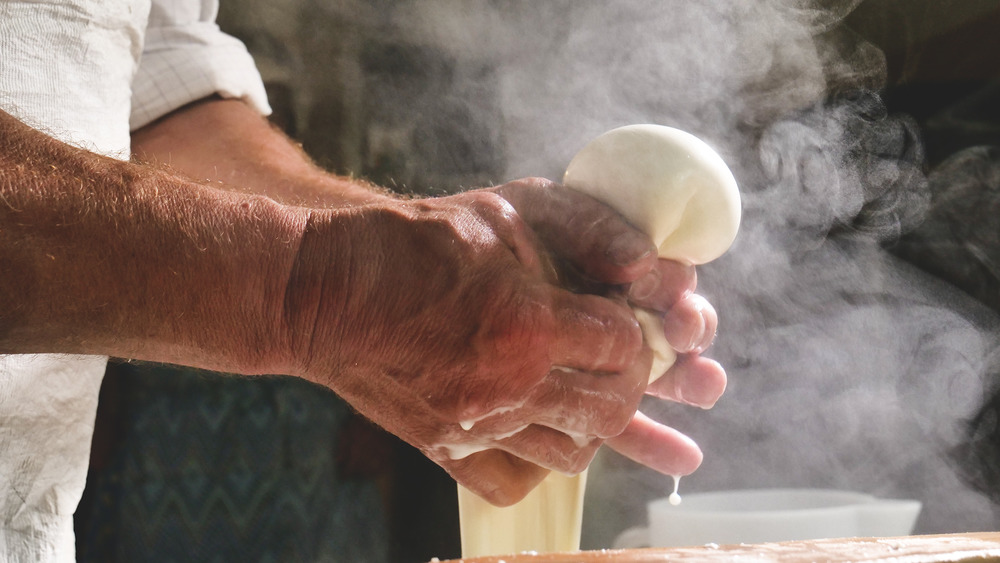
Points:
x=849 y=368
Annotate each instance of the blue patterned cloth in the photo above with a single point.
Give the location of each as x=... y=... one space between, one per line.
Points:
x=208 y=467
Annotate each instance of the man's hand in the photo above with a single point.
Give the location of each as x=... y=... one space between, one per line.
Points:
x=608 y=252
x=428 y=316
x=437 y=318
x=454 y=331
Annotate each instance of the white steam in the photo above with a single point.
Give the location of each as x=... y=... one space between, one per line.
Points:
x=849 y=368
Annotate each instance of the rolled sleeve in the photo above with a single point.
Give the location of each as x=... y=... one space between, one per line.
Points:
x=187 y=57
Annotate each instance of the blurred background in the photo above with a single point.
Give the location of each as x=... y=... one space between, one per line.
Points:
x=859 y=305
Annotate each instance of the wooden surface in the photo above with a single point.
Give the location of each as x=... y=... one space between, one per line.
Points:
x=909 y=549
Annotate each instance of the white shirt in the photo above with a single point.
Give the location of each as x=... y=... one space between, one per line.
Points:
x=87 y=72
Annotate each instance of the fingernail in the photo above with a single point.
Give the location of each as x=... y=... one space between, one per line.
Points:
x=646 y=285
x=629 y=247
x=708 y=326
x=698 y=336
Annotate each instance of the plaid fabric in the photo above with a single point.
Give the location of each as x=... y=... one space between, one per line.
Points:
x=186 y=57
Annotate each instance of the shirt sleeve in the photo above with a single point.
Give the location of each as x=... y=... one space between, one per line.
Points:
x=187 y=57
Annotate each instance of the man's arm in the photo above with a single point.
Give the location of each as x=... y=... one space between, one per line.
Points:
x=228 y=142
x=102 y=256
x=425 y=315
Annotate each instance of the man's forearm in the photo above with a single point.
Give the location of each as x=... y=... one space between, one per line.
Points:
x=226 y=141
x=108 y=257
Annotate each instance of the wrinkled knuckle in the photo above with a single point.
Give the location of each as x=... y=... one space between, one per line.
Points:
x=499 y=215
x=493 y=205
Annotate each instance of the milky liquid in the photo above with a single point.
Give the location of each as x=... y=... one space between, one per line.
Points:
x=674 y=499
x=548 y=519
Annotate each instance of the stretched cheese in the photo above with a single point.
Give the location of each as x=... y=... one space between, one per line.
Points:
x=670 y=185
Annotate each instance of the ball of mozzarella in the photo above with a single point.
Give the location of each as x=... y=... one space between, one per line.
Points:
x=670 y=185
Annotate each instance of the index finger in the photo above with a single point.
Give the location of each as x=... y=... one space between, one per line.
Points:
x=657 y=446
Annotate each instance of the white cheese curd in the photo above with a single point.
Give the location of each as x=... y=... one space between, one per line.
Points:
x=670 y=185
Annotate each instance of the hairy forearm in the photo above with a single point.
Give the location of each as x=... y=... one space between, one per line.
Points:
x=228 y=143
x=107 y=257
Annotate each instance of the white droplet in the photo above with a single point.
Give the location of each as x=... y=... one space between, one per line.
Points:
x=466 y=424
x=675 y=498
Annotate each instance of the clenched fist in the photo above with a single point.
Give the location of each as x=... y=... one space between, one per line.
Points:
x=447 y=322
